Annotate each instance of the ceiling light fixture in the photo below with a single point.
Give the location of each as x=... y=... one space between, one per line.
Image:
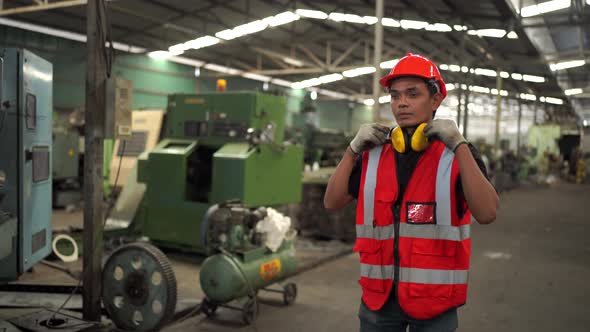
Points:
x=544 y=7
x=567 y=64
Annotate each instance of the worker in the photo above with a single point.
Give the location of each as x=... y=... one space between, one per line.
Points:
x=416 y=187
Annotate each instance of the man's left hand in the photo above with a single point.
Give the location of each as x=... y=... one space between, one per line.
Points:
x=445 y=131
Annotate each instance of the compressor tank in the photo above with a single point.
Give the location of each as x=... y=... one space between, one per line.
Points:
x=228 y=276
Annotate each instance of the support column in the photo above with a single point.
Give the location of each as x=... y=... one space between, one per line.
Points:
x=378 y=48
x=93 y=159
x=465 y=113
x=498 y=111
x=518 y=129
x=460 y=103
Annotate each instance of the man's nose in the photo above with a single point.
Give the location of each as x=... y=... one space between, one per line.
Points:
x=403 y=102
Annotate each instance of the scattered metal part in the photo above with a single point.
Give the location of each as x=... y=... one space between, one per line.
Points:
x=47 y=320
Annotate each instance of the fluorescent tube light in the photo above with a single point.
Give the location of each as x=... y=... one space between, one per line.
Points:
x=222 y=69
x=544 y=7
x=533 y=78
x=389 y=22
x=485 y=72
x=527 y=96
x=571 y=92
x=388 y=64
x=440 y=27
x=512 y=35
x=280 y=19
x=358 y=71
x=411 y=24
x=256 y=77
x=159 y=55
x=312 y=14
x=552 y=100
x=495 y=33
x=567 y=64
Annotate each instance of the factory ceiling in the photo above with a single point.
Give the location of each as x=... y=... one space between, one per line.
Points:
x=324 y=40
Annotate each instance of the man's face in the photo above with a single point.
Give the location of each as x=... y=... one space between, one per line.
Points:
x=411 y=103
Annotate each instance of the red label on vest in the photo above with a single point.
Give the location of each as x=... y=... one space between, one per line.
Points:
x=421 y=213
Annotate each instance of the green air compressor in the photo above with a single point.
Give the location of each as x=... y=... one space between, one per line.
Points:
x=243 y=265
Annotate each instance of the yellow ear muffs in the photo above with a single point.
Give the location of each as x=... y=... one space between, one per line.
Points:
x=419 y=140
x=398 y=140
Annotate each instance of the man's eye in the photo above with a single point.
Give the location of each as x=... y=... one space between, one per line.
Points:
x=394 y=96
x=413 y=94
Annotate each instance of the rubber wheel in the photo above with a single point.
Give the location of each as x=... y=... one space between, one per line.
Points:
x=290 y=293
x=208 y=308
x=250 y=311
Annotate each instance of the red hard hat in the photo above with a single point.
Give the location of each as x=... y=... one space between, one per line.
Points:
x=415 y=65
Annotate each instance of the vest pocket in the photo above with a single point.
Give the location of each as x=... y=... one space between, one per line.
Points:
x=432 y=261
x=383 y=202
x=372 y=271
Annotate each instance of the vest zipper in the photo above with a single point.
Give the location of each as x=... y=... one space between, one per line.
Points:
x=396 y=222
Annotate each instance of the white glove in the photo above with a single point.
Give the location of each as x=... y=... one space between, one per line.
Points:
x=369 y=136
x=446 y=131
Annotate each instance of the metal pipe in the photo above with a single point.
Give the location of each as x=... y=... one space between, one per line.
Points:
x=378 y=48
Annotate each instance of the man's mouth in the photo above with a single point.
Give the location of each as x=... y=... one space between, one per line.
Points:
x=404 y=114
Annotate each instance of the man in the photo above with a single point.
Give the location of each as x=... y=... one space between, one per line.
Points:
x=417 y=187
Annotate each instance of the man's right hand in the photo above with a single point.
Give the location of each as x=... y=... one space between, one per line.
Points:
x=369 y=136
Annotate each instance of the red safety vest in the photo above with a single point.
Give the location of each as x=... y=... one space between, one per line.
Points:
x=423 y=244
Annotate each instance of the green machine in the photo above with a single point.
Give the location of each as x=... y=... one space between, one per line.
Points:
x=216 y=148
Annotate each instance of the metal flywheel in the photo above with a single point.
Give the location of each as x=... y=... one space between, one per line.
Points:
x=139 y=288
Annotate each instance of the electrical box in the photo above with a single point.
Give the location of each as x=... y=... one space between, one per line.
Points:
x=25 y=162
x=118 y=110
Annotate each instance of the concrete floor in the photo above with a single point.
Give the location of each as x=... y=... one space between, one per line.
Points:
x=530 y=272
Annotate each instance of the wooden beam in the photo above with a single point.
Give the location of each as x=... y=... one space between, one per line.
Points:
x=93 y=158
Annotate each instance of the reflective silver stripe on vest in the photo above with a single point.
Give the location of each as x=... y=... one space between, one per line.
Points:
x=377 y=271
x=370 y=182
x=414 y=275
x=443 y=188
x=435 y=232
x=377 y=232
x=437 y=277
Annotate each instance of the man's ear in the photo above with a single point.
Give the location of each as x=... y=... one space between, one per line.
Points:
x=436 y=100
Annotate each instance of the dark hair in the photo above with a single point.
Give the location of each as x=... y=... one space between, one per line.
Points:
x=432 y=85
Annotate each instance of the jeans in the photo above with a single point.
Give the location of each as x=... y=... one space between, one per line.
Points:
x=392 y=318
